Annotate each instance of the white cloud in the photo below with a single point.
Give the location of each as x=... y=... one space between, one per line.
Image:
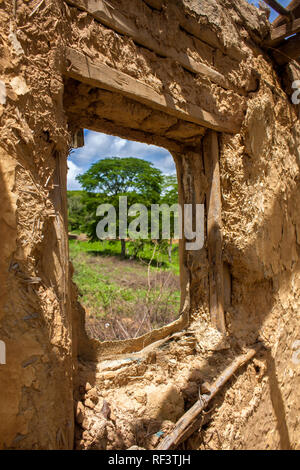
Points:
x=167 y=165
x=98 y=146
x=73 y=171
x=119 y=144
x=95 y=146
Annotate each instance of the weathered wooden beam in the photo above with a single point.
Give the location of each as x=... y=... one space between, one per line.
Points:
x=80 y=67
x=279 y=8
x=294 y=8
x=112 y=128
x=190 y=24
x=157 y=4
x=115 y=20
x=183 y=426
x=282 y=32
x=214 y=230
x=60 y=222
x=288 y=51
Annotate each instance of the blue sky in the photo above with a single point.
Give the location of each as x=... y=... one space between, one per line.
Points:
x=284 y=3
x=99 y=146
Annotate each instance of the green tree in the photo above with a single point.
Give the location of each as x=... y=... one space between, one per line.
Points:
x=170 y=189
x=76 y=210
x=110 y=178
x=169 y=196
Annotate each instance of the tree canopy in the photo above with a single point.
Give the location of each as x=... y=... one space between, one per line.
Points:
x=107 y=180
x=124 y=176
x=169 y=193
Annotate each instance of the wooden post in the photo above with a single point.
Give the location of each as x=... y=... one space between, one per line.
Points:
x=214 y=232
x=59 y=197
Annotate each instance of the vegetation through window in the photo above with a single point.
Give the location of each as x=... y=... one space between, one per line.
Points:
x=127 y=286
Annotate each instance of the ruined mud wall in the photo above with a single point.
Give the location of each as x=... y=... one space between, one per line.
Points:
x=35 y=319
x=208 y=69
x=260 y=183
x=259 y=168
x=206 y=72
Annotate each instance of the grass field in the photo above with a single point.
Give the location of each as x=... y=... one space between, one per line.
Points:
x=125 y=298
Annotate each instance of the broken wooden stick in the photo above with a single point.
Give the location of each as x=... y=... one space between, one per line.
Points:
x=186 y=421
x=36 y=8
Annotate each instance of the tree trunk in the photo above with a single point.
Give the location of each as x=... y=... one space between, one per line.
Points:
x=123 y=248
x=170 y=250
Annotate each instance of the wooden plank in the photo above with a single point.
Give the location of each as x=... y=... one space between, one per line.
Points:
x=282 y=32
x=59 y=199
x=183 y=426
x=112 y=128
x=104 y=12
x=115 y=20
x=279 y=8
x=157 y=4
x=288 y=51
x=80 y=67
x=202 y=32
x=214 y=230
x=293 y=7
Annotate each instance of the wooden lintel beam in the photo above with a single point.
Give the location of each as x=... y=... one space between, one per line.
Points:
x=289 y=50
x=82 y=68
x=115 y=20
x=214 y=230
x=106 y=126
x=283 y=31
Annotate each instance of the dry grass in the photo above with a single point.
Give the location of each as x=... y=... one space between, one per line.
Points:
x=124 y=298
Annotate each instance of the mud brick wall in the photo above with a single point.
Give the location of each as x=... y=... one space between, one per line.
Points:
x=167 y=73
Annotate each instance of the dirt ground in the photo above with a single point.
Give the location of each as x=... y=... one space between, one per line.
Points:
x=124 y=298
